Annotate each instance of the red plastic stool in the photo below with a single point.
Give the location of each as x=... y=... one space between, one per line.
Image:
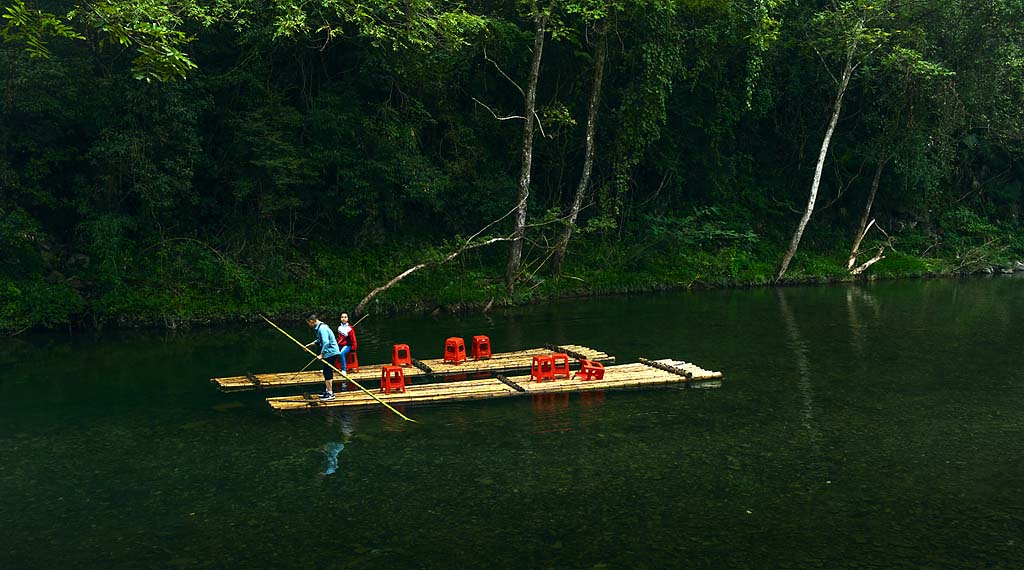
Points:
x=454 y=350
x=400 y=355
x=481 y=347
x=351 y=362
x=560 y=365
x=590 y=370
x=392 y=378
x=543 y=368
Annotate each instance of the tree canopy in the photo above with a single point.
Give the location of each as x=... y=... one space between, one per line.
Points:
x=160 y=154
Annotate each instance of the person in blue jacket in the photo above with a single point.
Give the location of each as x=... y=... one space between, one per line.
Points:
x=329 y=352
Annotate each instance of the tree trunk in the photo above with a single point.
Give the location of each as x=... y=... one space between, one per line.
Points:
x=795 y=242
x=588 y=155
x=529 y=108
x=878 y=257
x=862 y=229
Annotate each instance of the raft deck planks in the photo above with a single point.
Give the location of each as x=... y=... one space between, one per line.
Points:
x=468 y=390
x=499 y=363
x=315 y=376
x=668 y=371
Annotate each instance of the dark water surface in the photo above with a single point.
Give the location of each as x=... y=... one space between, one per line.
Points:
x=867 y=426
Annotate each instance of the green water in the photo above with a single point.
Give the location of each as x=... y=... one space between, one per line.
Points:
x=870 y=426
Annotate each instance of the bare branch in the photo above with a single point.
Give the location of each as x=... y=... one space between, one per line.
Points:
x=466 y=246
x=669 y=174
x=394 y=280
x=503 y=74
x=495 y=114
x=888 y=238
x=541 y=126
x=843 y=187
x=214 y=250
x=825 y=64
x=869 y=227
x=975 y=255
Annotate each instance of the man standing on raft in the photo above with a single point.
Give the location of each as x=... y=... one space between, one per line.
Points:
x=329 y=352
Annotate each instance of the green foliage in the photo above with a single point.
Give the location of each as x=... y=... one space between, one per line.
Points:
x=148 y=26
x=912 y=63
x=699 y=229
x=106 y=239
x=34 y=27
x=396 y=25
x=33 y=302
x=161 y=60
x=900 y=264
x=763 y=33
x=19 y=239
x=816 y=267
x=653 y=63
x=319 y=149
x=961 y=222
x=973 y=242
x=853 y=27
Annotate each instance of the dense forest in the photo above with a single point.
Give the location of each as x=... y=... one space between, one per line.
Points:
x=173 y=163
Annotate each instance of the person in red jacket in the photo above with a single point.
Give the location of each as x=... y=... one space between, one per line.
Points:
x=347 y=342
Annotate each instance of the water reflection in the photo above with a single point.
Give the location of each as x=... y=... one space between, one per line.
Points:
x=854 y=296
x=551 y=412
x=918 y=416
x=800 y=351
x=331 y=451
x=591 y=398
x=591 y=403
x=346 y=422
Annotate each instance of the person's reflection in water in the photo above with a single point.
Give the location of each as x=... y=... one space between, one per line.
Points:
x=333 y=448
x=331 y=451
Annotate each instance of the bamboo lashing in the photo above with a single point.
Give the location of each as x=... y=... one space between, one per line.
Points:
x=335 y=368
x=504 y=380
x=566 y=350
x=255 y=381
x=667 y=368
x=421 y=366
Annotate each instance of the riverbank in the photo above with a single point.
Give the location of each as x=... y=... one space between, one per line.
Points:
x=194 y=287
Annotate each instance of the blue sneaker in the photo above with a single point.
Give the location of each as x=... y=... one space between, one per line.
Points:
x=327 y=396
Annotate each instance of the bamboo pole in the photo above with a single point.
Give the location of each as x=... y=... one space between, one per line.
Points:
x=335 y=368
x=292 y=379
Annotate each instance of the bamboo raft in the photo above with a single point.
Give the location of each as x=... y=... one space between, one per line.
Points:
x=499 y=363
x=641 y=374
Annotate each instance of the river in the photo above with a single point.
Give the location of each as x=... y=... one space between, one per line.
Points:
x=875 y=425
